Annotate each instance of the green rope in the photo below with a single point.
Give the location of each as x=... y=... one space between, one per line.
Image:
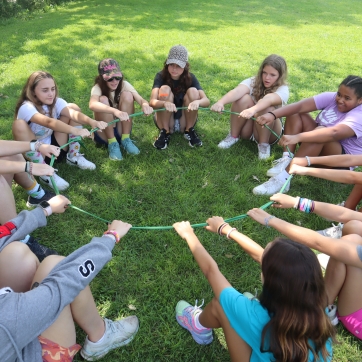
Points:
x=235 y=218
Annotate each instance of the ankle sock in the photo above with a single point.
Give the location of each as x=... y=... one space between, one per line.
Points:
x=112 y=140
x=74 y=147
x=37 y=192
x=124 y=136
x=197 y=322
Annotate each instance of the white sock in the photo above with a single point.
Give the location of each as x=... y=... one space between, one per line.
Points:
x=287 y=154
x=283 y=176
x=197 y=322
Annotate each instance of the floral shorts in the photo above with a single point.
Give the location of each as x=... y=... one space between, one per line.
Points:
x=52 y=352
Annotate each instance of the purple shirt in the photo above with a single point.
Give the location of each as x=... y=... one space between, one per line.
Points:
x=330 y=116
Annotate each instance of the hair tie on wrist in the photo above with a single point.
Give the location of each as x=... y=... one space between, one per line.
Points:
x=275 y=117
x=308 y=160
x=267 y=219
x=219 y=230
x=230 y=231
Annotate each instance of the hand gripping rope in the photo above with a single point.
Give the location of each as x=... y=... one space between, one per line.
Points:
x=239 y=217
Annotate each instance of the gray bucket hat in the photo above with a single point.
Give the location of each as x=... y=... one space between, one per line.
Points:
x=177 y=55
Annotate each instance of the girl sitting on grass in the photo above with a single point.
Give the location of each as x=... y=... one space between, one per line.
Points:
x=253 y=97
x=174 y=86
x=343 y=274
x=112 y=97
x=336 y=130
x=289 y=323
x=41 y=115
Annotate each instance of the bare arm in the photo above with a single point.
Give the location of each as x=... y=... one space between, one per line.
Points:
x=332 y=161
x=157 y=104
x=342 y=176
x=247 y=244
x=206 y=263
x=53 y=124
x=230 y=97
x=343 y=250
x=96 y=106
x=9 y=148
x=202 y=102
x=269 y=100
x=146 y=109
x=304 y=106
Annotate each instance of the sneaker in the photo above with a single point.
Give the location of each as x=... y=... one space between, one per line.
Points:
x=117 y=334
x=60 y=183
x=334 y=232
x=163 y=140
x=185 y=316
x=332 y=314
x=80 y=161
x=264 y=151
x=279 y=165
x=271 y=187
x=192 y=137
x=32 y=201
x=129 y=146
x=114 y=151
x=177 y=125
x=323 y=260
x=39 y=250
x=228 y=141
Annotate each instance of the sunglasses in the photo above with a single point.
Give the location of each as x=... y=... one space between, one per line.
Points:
x=114 y=78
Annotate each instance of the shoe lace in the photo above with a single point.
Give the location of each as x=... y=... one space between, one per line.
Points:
x=279 y=160
x=197 y=307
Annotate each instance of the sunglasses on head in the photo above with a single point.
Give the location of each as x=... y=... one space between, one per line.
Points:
x=114 y=78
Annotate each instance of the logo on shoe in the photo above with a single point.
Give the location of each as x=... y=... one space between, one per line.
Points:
x=87 y=268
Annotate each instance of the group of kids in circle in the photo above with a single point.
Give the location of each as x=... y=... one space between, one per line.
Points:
x=43 y=294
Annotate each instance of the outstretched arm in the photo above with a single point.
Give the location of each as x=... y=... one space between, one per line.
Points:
x=230 y=97
x=248 y=245
x=206 y=263
x=331 y=161
x=343 y=250
x=270 y=100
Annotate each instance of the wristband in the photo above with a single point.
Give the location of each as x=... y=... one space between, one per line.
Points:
x=32 y=145
x=46 y=207
x=29 y=167
x=230 y=231
x=275 y=117
x=163 y=94
x=308 y=160
x=267 y=219
x=114 y=233
x=296 y=202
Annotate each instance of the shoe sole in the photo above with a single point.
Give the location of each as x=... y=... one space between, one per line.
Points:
x=115 y=159
x=197 y=144
x=94 y=357
x=195 y=336
x=272 y=174
x=159 y=148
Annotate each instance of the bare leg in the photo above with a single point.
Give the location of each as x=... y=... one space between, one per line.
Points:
x=213 y=316
x=126 y=104
x=22 y=131
x=17 y=267
x=192 y=94
x=107 y=133
x=82 y=310
x=8 y=209
x=344 y=280
x=165 y=119
x=354 y=198
x=241 y=127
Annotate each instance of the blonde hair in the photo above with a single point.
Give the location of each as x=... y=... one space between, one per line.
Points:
x=278 y=63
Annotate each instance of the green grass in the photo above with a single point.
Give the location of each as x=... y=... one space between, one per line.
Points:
x=227 y=40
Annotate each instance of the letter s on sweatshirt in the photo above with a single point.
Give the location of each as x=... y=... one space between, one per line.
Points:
x=87 y=268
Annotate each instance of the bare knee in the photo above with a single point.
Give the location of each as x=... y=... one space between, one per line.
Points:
x=126 y=97
x=22 y=131
x=104 y=100
x=352 y=227
x=192 y=94
x=18 y=266
x=165 y=93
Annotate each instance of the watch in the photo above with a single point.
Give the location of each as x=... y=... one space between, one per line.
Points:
x=46 y=206
x=32 y=145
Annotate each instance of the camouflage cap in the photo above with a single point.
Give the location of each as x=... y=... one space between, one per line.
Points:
x=109 y=68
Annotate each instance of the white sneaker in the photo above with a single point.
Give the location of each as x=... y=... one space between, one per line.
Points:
x=323 y=260
x=271 y=187
x=332 y=314
x=228 y=141
x=80 y=161
x=334 y=232
x=117 y=334
x=279 y=165
x=61 y=183
x=264 y=151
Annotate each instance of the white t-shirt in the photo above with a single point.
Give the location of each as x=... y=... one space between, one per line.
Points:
x=27 y=110
x=282 y=91
x=126 y=87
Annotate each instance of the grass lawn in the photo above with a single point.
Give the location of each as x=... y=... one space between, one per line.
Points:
x=152 y=270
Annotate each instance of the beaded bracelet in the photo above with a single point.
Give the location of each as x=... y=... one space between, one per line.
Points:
x=230 y=231
x=29 y=167
x=113 y=233
x=275 y=117
x=267 y=219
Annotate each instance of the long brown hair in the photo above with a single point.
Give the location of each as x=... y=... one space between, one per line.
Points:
x=278 y=63
x=185 y=77
x=106 y=91
x=295 y=297
x=27 y=94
